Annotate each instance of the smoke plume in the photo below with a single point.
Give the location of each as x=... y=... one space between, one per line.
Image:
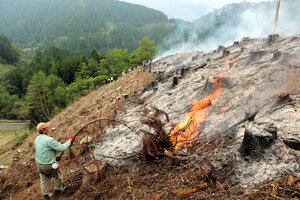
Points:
x=232 y=23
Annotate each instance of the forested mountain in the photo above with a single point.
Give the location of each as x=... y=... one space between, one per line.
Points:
x=80 y=25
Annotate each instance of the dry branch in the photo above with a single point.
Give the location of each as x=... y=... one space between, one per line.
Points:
x=192 y=190
x=102 y=119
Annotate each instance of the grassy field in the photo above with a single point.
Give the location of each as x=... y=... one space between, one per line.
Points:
x=10 y=141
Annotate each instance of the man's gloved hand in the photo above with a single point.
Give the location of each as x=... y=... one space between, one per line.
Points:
x=72 y=138
x=58 y=158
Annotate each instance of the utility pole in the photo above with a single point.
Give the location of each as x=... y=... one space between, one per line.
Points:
x=276 y=16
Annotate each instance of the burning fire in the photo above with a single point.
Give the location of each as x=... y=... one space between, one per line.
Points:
x=223 y=109
x=185 y=133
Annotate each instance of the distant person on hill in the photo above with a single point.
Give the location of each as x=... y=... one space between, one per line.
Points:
x=149 y=66
x=45 y=156
x=123 y=74
x=144 y=65
x=115 y=77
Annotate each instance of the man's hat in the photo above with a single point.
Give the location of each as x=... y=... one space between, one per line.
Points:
x=41 y=126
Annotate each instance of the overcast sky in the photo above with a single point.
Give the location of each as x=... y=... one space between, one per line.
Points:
x=186 y=9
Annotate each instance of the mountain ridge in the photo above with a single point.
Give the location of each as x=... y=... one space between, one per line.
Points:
x=81 y=25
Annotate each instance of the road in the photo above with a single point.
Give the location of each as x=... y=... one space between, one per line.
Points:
x=12 y=126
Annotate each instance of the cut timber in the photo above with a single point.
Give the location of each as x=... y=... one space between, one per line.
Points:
x=272 y=38
x=225 y=53
x=175 y=80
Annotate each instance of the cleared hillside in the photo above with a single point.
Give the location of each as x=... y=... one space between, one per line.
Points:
x=247 y=147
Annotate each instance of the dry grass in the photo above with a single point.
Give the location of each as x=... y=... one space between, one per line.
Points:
x=10 y=141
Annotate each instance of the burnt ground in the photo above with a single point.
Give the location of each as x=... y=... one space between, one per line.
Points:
x=159 y=177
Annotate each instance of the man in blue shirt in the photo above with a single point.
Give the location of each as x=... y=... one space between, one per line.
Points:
x=45 y=156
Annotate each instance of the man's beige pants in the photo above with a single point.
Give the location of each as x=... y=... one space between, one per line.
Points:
x=46 y=173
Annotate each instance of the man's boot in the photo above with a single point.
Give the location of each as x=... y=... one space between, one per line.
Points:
x=47 y=197
x=57 y=193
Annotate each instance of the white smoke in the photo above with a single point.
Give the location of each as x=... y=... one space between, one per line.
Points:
x=232 y=23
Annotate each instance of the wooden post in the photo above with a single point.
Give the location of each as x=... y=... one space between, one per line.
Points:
x=276 y=16
x=100 y=126
x=94 y=158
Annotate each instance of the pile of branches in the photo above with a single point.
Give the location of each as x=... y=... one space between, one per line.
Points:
x=155 y=143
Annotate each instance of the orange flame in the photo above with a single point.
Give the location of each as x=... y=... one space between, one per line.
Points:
x=223 y=109
x=186 y=132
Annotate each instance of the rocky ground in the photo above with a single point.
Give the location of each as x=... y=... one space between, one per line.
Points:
x=245 y=144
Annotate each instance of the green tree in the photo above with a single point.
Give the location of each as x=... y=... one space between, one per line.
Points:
x=46 y=97
x=8 y=52
x=88 y=70
x=7 y=104
x=36 y=98
x=61 y=99
x=146 y=50
x=96 y=55
x=56 y=94
x=116 y=60
x=64 y=69
x=78 y=88
x=17 y=79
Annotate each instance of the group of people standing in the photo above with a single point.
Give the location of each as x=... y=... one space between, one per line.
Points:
x=111 y=79
x=147 y=65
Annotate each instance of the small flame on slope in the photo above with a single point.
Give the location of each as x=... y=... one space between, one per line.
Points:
x=183 y=134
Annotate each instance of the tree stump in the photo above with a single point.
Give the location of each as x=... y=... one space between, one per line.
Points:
x=91 y=173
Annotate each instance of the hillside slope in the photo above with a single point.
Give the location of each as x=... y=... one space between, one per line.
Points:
x=248 y=138
x=80 y=25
